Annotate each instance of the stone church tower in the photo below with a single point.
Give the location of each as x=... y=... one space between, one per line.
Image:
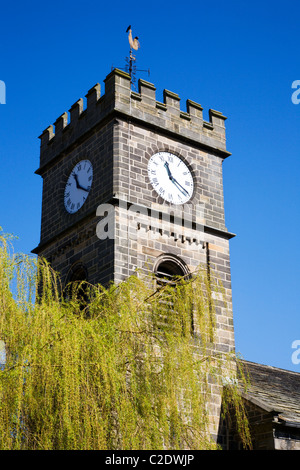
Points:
x=130 y=182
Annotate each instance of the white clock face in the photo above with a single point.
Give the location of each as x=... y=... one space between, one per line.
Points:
x=170 y=177
x=78 y=186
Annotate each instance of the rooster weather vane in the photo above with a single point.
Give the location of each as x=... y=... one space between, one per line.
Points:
x=130 y=67
x=134 y=43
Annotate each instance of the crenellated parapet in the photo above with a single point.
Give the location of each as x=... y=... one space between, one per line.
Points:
x=120 y=101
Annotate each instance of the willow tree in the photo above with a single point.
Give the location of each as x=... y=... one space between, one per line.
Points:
x=117 y=372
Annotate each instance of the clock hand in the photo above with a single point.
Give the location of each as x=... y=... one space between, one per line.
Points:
x=181 y=189
x=184 y=191
x=78 y=185
x=76 y=180
x=166 y=165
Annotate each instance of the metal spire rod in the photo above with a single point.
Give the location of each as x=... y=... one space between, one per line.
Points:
x=134 y=44
x=131 y=59
x=131 y=67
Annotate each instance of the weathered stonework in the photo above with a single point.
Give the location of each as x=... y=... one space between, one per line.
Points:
x=118 y=132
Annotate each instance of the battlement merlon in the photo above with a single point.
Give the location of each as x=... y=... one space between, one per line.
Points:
x=141 y=107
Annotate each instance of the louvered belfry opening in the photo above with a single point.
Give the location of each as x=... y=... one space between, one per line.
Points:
x=169 y=272
x=169 y=269
x=76 y=279
x=78 y=274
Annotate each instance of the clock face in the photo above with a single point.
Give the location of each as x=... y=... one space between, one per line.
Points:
x=78 y=186
x=170 y=177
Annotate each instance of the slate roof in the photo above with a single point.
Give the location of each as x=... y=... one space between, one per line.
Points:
x=274 y=390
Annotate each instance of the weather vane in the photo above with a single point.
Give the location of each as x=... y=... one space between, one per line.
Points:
x=130 y=68
x=134 y=44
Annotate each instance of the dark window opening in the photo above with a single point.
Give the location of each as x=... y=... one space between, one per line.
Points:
x=78 y=274
x=169 y=272
x=77 y=286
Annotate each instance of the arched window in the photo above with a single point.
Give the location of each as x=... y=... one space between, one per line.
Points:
x=77 y=273
x=168 y=268
x=75 y=283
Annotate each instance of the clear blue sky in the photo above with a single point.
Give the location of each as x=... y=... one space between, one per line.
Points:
x=238 y=57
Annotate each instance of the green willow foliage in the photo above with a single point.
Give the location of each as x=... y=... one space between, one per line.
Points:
x=121 y=372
